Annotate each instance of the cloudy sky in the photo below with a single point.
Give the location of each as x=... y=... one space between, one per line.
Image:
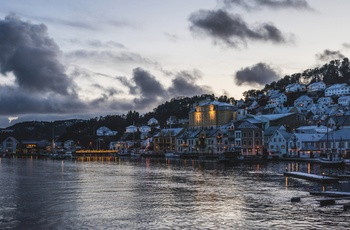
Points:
x=84 y=58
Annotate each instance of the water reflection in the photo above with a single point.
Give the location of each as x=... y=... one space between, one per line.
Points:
x=145 y=193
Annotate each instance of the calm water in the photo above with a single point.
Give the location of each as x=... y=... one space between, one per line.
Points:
x=160 y=194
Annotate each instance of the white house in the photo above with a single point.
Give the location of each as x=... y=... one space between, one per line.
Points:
x=272 y=92
x=316 y=86
x=325 y=100
x=278 y=143
x=303 y=101
x=344 y=100
x=277 y=99
x=104 y=131
x=305 y=145
x=295 y=87
x=152 y=121
x=9 y=145
x=337 y=89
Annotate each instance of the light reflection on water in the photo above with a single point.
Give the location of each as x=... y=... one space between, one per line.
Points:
x=161 y=194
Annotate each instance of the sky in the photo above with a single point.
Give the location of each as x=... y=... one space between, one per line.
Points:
x=84 y=58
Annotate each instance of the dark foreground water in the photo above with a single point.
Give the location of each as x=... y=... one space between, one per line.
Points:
x=160 y=194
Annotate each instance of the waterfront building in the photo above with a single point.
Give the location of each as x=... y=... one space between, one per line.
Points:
x=336 y=143
x=249 y=138
x=278 y=143
x=9 y=145
x=305 y=145
x=210 y=114
x=165 y=140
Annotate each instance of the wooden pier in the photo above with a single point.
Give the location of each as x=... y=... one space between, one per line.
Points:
x=312 y=177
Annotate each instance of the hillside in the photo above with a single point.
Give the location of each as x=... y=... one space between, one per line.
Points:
x=84 y=131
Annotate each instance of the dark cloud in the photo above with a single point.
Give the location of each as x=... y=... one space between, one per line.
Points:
x=272 y=4
x=328 y=55
x=184 y=84
x=32 y=56
x=232 y=30
x=145 y=87
x=16 y=101
x=259 y=74
x=148 y=91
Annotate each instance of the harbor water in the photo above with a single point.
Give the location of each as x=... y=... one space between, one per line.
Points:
x=145 y=193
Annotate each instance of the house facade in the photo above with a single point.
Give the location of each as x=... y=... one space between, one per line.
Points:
x=316 y=86
x=277 y=99
x=295 y=87
x=9 y=145
x=210 y=114
x=337 y=90
x=344 y=100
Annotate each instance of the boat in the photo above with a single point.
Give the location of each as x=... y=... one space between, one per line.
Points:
x=123 y=153
x=347 y=162
x=135 y=153
x=171 y=155
x=328 y=162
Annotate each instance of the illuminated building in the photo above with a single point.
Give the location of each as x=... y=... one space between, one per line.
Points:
x=210 y=114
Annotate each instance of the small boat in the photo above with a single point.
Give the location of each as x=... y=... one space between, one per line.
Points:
x=123 y=153
x=347 y=162
x=135 y=153
x=328 y=162
x=171 y=155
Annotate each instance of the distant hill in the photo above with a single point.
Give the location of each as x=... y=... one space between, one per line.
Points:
x=84 y=131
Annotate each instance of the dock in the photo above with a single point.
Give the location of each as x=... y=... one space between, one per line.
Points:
x=311 y=177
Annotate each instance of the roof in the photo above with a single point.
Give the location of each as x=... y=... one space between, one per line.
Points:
x=309 y=137
x=271 y=117
x=337 y=135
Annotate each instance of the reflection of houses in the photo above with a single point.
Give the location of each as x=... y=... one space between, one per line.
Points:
x=9 y=145
x=210 y=114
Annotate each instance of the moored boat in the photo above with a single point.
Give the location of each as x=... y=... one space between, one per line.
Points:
x=328 y=162
x=171 y=155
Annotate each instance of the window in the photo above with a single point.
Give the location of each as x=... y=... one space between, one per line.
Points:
x=256 y=134
x=238 y=135
x=244 y=143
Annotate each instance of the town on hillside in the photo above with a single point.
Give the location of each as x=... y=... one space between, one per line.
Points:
x=315 y=124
